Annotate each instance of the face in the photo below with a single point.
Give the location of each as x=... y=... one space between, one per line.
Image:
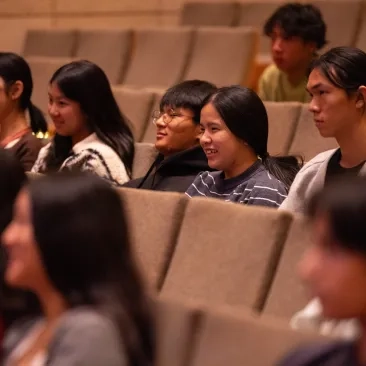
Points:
x=334 y=275
x=66 y=114
x=334 y=111
x=175 y=131
x=24 y=268
x=290 y=53
x=224 y=150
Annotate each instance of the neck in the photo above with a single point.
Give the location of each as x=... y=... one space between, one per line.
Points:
x=240 y=167
x=80 y=137
x=352 y=145
x=13 y=123
x=53 y=304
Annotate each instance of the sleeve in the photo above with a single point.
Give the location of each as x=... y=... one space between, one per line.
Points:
x=262 y=88
x=87 y=341
x=27 y=154
x=38 y=166
x=194 y=189
x=266 y=195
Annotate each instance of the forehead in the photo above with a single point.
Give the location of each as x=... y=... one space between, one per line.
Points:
x=55 y=91
x=209 y=114
x=317 y=79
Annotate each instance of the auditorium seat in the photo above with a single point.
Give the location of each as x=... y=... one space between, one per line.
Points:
x=42 y=70
x=136 y=105
x=223 y=55
x=50 y=43
x=159 y=57
x=226 y=253
x=307 y=141
x=287 y=294
x=235 y=337
x=209 y=14
x=341 y=30
x=154 y=220
x=177 y=326
x=255 y=14
x=282 y=119
x=145 y=155
x=361 y=35
x=109 y=49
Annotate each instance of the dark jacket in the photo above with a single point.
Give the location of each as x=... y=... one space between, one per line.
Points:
x=174 y=173
x=333 y=354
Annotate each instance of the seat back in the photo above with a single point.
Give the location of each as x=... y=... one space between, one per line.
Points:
x=282 y=123
x=287 y=294
x=136 y=106
x=50 y=43
x=154 y=220
x=255 y=14
x=233 y=246
x=341 y=30
x=223 y=56
x=159 y=57
x=307 y=140
x=209 y=14
x=145 y=155
x=236 y=338
x=109 y=49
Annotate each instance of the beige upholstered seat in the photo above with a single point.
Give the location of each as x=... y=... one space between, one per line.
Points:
x=213 y=13
x=109 y=49
x=50 y=42
x=223 y=55
x=226 y=253
x=145 y=155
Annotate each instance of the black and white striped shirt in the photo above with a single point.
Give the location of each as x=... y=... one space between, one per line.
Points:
x=256 y=186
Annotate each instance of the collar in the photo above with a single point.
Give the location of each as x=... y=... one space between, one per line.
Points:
x=84 y=144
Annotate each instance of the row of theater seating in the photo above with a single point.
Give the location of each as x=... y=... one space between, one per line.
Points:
x=291 y=126
x=197 y=335
x=345 y=19
x=150 y=57
x=217 y=253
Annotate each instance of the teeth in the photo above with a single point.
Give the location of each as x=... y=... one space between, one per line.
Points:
x=211 y=151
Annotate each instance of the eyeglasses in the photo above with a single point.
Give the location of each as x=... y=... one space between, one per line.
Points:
x=167 y=116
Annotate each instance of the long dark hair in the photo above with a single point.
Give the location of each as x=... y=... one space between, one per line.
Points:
x=13 y=302
x=88 y=85
x=344 y=67
x=88 y=256
x=14 y=68
x=246 y=117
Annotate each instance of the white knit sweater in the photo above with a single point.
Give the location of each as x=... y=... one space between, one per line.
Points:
x=93 y=155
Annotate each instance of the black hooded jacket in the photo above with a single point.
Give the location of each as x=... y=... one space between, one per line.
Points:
x=174 y=173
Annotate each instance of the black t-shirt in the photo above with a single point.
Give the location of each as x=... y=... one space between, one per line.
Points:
x=334 y=168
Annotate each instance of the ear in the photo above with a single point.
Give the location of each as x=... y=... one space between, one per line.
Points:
x=361 y=97
x=16 y=90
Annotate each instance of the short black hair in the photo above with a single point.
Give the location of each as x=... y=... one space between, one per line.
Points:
x=189 y=94
x=343 y=202
x=299 y=20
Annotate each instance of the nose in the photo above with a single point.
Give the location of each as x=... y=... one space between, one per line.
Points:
x=205 y=138
x=52 y=109
x=313 y=106
x=7 y=236
x=277 y=45
x=160 y=122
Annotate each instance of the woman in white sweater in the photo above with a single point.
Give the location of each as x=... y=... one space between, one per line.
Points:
x=91 y=132
x=337 y=86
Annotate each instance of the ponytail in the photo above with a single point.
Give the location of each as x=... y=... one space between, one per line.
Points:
x=37 y=121
x=283 y=168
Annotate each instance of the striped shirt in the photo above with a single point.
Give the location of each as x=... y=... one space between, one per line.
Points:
x=256 y=186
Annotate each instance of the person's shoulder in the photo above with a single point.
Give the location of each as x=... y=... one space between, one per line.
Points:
x=270 y=72
x=313 y=164
x=333 y=353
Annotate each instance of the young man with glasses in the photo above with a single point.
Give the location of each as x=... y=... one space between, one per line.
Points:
x=178 y=130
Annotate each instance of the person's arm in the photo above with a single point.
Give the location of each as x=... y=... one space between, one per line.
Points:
x=264 y=194
x=87 y=340
x=262 y=93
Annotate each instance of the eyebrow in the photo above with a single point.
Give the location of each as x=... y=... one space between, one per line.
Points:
x=315 y=86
